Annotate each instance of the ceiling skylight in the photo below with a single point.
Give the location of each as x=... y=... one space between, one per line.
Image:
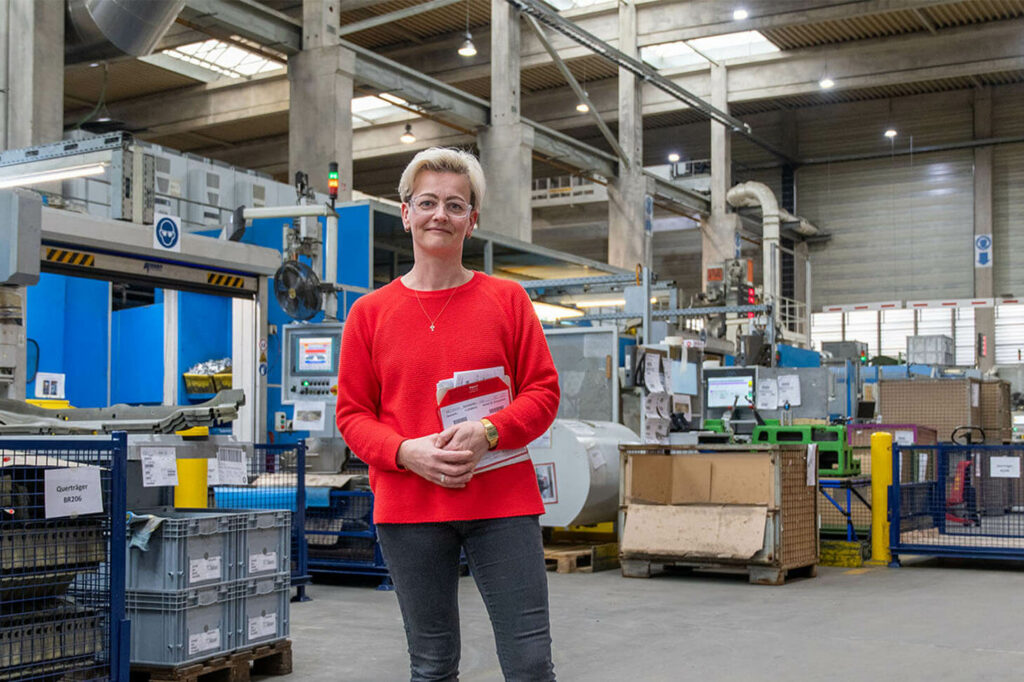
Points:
x=367 y=111
x=728 y=46
x=562 y=5
x=225 y=59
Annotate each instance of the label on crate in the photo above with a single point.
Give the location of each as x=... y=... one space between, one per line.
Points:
x=259 y=563
x=204 y=641
x=159 y=467
x=72 y=491
x=203 y=568
x=232 y=466
x=263 y=626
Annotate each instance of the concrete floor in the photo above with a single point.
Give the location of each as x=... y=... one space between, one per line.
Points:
x=929 y=620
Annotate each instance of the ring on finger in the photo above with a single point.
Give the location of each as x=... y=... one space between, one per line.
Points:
x=443 y=478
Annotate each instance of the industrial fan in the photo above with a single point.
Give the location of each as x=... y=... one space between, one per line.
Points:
x=297 y=289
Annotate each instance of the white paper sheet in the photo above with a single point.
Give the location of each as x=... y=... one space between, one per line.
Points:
x=159 y=467
x=233 y=466
x=70 y=492
x=789 y=390
x=767 y=394
x=479 y=408
x=652 y=373
x=309 y=416
x=812 y=464
x=922 y=467
x=1004 y=467
x=472 y=376
x=656 y=430
x=903 y=437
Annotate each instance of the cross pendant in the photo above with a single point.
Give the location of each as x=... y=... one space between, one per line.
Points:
x=431 y=327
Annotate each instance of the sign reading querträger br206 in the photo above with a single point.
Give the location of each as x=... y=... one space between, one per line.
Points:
x=166 y=232
x=72 y=491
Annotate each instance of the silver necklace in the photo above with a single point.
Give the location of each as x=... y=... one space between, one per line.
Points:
x=432 y=321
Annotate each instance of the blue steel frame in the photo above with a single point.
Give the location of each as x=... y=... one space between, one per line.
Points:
x=850 y=486
x=375 y=566
x=938 y=508
x=112 y=451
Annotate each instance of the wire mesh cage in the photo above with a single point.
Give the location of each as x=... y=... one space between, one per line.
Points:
x=62 y=558
x=962 y=500
x=274 y=483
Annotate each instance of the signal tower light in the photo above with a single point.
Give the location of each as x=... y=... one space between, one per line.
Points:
x=332 y=181
x=751 y=300
x=864 y=358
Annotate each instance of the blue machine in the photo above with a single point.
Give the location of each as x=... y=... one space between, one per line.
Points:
x=791 y=356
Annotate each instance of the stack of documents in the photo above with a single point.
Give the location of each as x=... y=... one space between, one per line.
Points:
x=473 y=395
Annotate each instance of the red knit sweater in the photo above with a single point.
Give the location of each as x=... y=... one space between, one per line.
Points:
x=389 y=369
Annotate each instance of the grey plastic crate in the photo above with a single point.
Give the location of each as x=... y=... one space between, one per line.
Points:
x=264 y=542
x=171 y=628
x=262 y=609
x=189 y=549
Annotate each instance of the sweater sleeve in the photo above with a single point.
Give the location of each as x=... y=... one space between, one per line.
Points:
x=534 y=378
x=359 y=397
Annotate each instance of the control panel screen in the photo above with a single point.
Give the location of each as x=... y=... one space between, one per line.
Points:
x=724 y=391
x=315 y=355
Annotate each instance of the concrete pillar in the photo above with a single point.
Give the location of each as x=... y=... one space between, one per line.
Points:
x=721 y=229
x=31 y=113
x=32 y=73
x=320 y=117
x=506 y=146
x=627 y=243
x=984 y=318
x=320 y=22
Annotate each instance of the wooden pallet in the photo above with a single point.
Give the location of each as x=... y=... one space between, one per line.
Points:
x=581 y=558
x=266 y=659
x=758 y=574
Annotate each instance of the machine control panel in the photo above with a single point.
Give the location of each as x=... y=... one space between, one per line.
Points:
x=310 y=363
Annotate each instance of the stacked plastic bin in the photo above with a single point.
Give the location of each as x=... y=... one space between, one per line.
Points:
x=209 y=582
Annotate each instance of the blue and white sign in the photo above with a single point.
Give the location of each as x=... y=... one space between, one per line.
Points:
x=983 y=251
x=166 y=232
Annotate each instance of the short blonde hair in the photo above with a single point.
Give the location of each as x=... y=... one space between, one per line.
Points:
x=445 y=160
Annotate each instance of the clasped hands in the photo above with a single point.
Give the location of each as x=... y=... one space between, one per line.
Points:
x=446 y=458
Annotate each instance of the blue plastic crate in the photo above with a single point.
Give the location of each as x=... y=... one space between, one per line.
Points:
x=262 y=609
x=175 y=627
x=189 y=549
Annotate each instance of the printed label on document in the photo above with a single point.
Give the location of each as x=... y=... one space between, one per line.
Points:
x=258 y=563
x=262 y=626
x=467 y=410
x=204 y=641
x=204 y=568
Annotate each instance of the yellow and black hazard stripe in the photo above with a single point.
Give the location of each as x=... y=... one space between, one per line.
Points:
x=67 y=257
x=221 y=280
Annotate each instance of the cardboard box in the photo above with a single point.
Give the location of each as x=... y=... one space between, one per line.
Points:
x=720 y=478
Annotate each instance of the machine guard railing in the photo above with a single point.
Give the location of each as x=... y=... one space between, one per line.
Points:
x=62 y=558
x=277 y=481
x=957 y=501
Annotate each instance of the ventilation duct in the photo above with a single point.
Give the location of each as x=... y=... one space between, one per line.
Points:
x=134 y=27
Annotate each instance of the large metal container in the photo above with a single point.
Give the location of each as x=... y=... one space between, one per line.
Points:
x=577 y=465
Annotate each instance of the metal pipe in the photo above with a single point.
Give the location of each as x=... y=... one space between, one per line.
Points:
x=759 y=194
x=644 y=71
x=330 y=256
x=312 y=210
x=949 y=146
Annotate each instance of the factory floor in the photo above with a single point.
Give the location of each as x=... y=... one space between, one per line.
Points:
x=929 y=620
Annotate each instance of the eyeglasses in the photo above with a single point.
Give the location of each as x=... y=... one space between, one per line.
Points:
x=453 y=207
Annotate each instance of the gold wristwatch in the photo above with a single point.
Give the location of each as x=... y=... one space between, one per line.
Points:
x=491 y=433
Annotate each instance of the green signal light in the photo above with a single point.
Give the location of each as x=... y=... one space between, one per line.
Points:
x=305 y=383
x=333 y=175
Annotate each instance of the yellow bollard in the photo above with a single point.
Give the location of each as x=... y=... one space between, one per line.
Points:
x=881 y=479
x=191 y=489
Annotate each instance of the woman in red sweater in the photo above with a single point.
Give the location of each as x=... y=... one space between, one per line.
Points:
x=429 y=505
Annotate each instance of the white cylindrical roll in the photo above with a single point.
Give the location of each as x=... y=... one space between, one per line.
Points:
x=577 y=466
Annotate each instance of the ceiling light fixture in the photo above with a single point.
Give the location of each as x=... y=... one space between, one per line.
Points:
x=582 y=106
x=890 y=133
x=740 y=14
x=825 y=83
x=673 y=158
x=467 y=49
x=407 y=137
x=39 y=177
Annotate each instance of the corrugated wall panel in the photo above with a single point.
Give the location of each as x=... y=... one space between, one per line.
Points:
x=901 y=228
x=857 y=127
x=1007 y=105
x=1008 y=219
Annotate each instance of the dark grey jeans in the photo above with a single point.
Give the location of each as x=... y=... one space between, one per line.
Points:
x=506 y=558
